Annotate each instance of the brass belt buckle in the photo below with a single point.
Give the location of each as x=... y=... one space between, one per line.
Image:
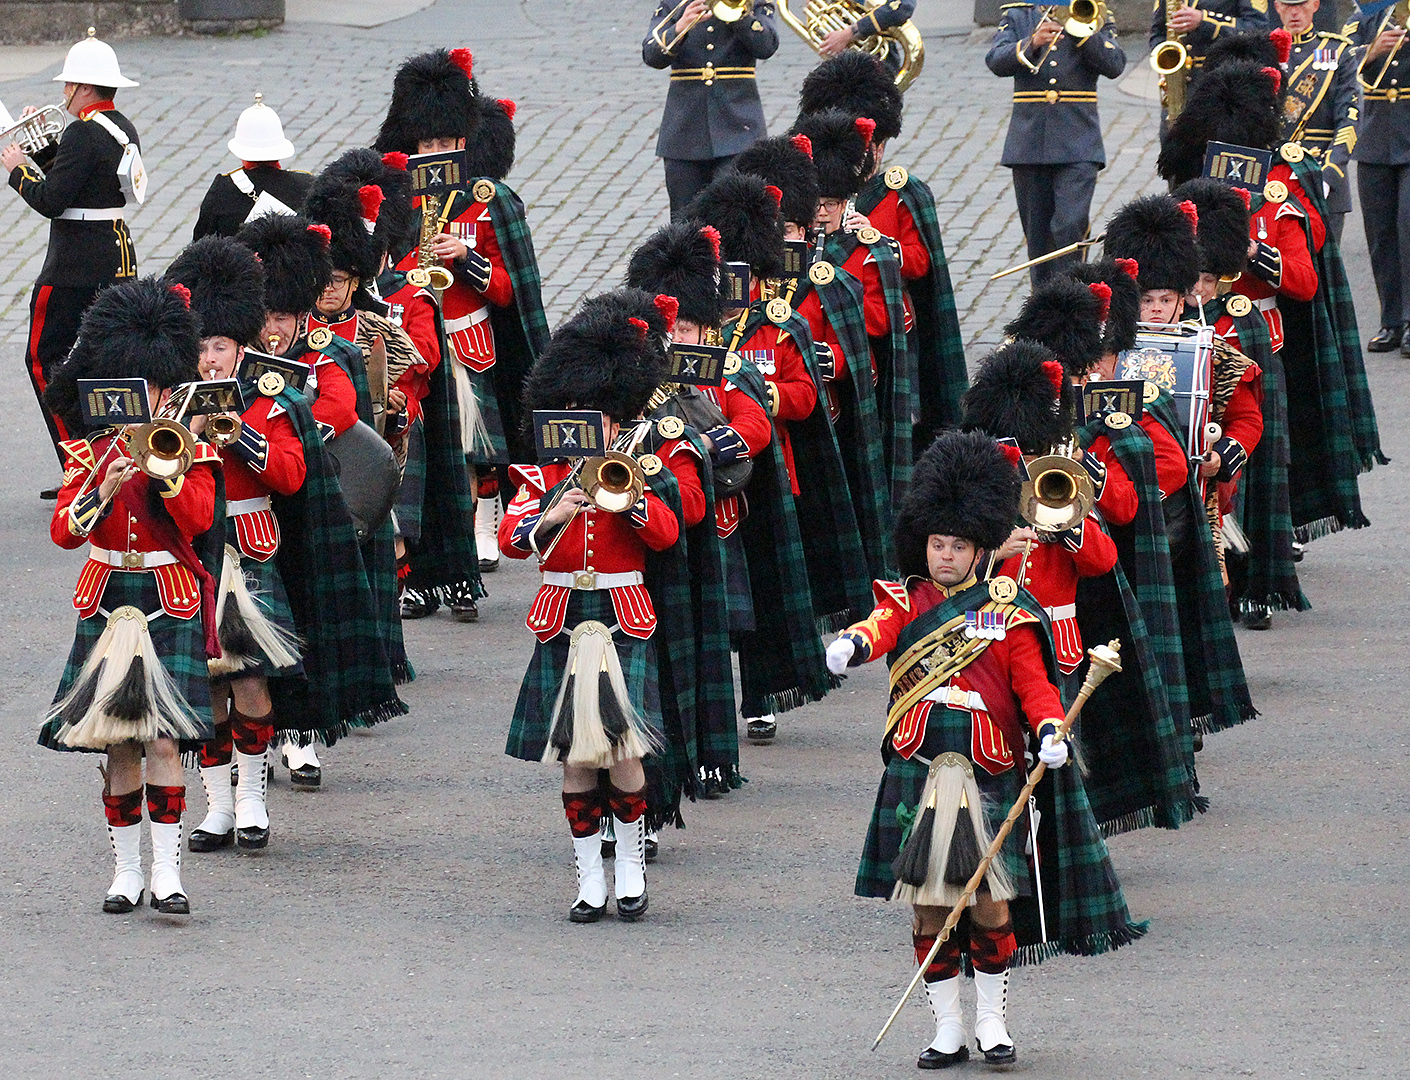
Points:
x=708 y=75
x=1051 y=97
x=585 y=579
x=1392 y=93
x=132 y=560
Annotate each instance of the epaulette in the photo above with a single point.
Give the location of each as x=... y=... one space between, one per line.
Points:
x=1334 y=36
x=205 y=452
x=530 y=475
x=891 y=590
x=1015 y=615
x=1289 y=209
x=80 y=451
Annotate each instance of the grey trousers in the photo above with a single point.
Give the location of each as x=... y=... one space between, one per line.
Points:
x=1385 y=210
x=1054 y=203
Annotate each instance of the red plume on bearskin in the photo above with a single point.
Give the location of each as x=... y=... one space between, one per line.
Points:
x=859 y=85
x=1222 y=237
x=747 y=218
x=641 y=327
x=681 y=264
x=395 y=159
x=1012 y=394
x=1246 y=196
x=842 y=150
x=295 y=256
x=183 y=292
x=1282 y=42
x=370 y=197
x=866 y=127
x=1191 y=211
x=1155 y=232
x=1124 y=307
x=1132 y=268
x=712 y=234
x=507 y=104
x=803 y=144
x=669 y=307
x=226 y=283
x=323 y=232
x=462 y=59
x=1275 y=76
x=491 y=149
x=776 y=194
x=1102 y=291
x=1235 y=103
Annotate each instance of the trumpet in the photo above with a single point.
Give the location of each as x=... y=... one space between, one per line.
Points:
x=727 y=11
x=222 y=429
x=1398 y=19
x=37 y=131
x=429 y=271
x=1058 y=493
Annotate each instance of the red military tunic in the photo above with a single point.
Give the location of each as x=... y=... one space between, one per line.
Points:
x=1016 y=660
x=1287 y=235
x=331 y=393
x=1051 y=575
x=414 y=311
x=267 y=458
x=892 y=217
x=1172 y=464
x=792 y=393
x=746 y=432
x=597 y=550
x=1118 y=501
x=123 y=542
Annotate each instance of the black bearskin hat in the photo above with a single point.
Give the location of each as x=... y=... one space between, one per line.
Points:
x=492 y=146
x=841 y=150
x=746 y=215
x=1253 y=48
x=782 y=162
x=1124 y=311
x=599 y=360
x=1064 y=316
x=397 y=220
x=345 y=207
x=433 y=97
x=683 y=261
x=1158 y=234
x=657 y=310
x=140 y=329
x=963 y=485
x=1222 y=235
x=859 y=85
x=1021 y=392
x=226 y=282
x=1236 y=104
x=294 y=252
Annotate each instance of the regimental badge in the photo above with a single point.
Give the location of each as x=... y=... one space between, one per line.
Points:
x=1118 y=421
x=670 y=427
x=1275 y=191
x=319 y=337
x=733 y=363
x=1238 y=306
x=821 y=273
x=650 y=463
x=1292 y=152
x=756 y=26
x=985 y=624
x=271 y=384
x=1151 y=393
x=1003 y=589
x=256 y=367
x=778 y=310
x=1101 y=399
x=897 y=177
x=483 y=191
x=869 y=235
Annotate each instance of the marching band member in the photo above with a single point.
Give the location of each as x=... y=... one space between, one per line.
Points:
x=76 y=185
x=258 y=638
x=136 y=683
x=954 y=751
x=261 y=184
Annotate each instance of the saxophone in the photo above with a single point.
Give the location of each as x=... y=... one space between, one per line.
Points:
x=428 y=270
x=1172 y=61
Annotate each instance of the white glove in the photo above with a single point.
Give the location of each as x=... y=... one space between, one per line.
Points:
x=1053 y=754
x=839 y=653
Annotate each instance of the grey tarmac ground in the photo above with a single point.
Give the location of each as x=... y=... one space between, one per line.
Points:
x=408 y=920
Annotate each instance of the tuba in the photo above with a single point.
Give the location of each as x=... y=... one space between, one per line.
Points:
x=37 y=131
x=727 y=11
x=822 y=17
x=1172 y=62
x=428 y=270
x=1058 y=493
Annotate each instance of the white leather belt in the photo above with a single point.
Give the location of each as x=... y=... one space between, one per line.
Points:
x=246 y=506
x=1268 y=303
x=591 y=579
x=956 y=698
x=131 y=560
x=107 y=213
x=467 y=321
x=1062 y=611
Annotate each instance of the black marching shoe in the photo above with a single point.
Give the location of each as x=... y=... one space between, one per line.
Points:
x=629 y=868
x=117 y=904
x=762 y=728
x=943 y=997
x=1386 y=339
x=1257 y=617
x=936 y=1059
x=200 y=840
x=631 y=908
x=49 y=495
x=583 y=912
x=416 y=605
x=175 y=904
x=251 y=838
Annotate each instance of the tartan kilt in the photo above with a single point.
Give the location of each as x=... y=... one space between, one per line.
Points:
x=267 y=590
x=180 y=643
x=528 y=733
x=412 y=492
x=481 y=384
x=739 y=596
x=900 y=790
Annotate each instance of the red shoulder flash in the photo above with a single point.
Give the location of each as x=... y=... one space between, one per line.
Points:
x=894 y=591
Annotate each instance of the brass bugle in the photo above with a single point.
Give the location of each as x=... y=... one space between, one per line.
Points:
x=1059 y=253
x=222 y=429
x=613 y=482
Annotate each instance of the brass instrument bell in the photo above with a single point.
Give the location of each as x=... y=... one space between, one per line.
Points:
x=222 y=429
x=613 y=482
x=727 y=11
x=1084 y=18
x=1057 y=495
x=162 y=448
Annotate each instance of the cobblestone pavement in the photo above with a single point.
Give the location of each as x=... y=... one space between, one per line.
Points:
x=407 y=922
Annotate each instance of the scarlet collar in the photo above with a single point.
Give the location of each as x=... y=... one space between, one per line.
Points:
x=98 y=106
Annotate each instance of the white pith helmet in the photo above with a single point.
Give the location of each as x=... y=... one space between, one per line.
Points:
x=259 y=136
x=93 y=62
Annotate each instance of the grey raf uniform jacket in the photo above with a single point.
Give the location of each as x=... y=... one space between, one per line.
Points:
x=1319 y=108
x=712 y=108
x=1054 y=119
x=1221 y=17
x=1383 y=132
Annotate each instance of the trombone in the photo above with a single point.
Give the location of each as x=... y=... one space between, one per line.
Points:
x=1084 y=18
x=612 y=481
x=1058 y=494
x=727 y=11
x=1078 y=245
